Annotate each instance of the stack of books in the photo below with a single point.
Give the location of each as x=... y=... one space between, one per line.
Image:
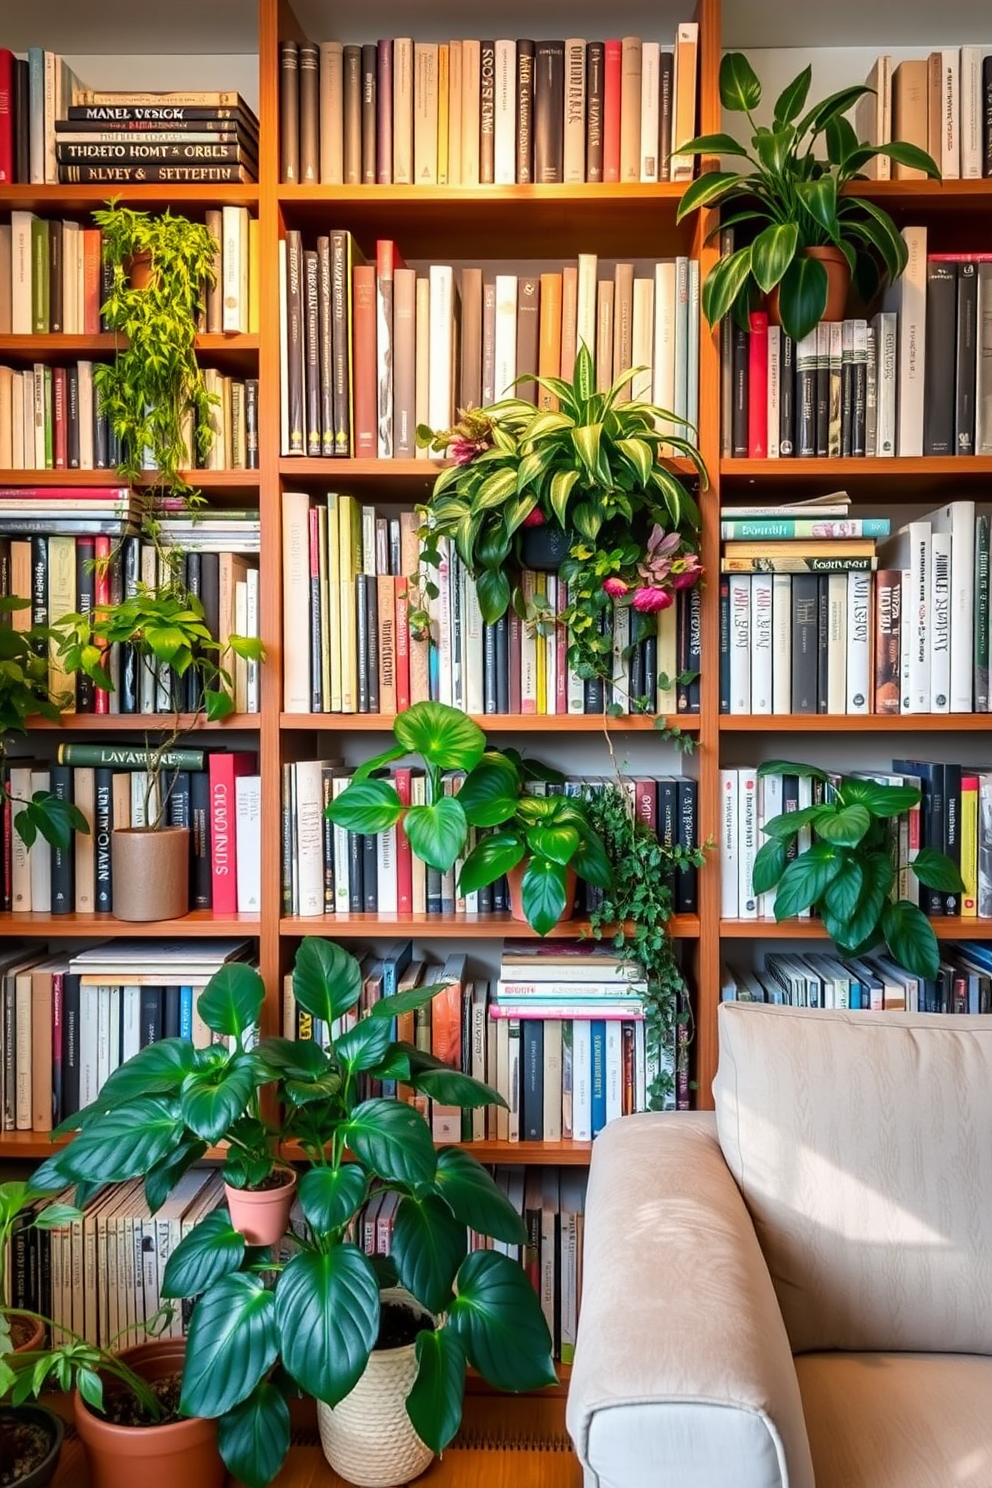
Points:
x=873 y=982
x=125 y=138
x=942 y=103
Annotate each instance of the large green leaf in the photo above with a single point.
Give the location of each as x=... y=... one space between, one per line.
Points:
x=475 y=1199
x=294 y=1059
x=558 y=843
x=805 y=879
x=910 y=937
x=845 y=827
x=789 y=104
x=393 y=1140
x=819 y=197
x=330 y=1196
x=802 y=296
x=559 y=491
x=437 y=832
x=493 y=589
x=792 y=767
x=773 y=147
x=444 y=736
x=706 y=190
x=879 y=876
x=162 y=1178
x=498 y=1318
x=590 y=861
x=880 y=800
x=724 y=283
x=434 y=1404
x=365 y=806
x=453 y=1088
x=936 y=871
x=254 y=1437
x=212 y=1100
x=490 y=859
x=712 y=144
x=740 y=90
x=881 y=231
x=905 y=154
x=327 y=1313
x=212 y=1250
x=327 y=981
x=772 y=252
x=496 y=489
x=841 y=897
x=428 y=1245
x=789 y=824
x=768 y=867
x=405 y=1002
x=125 y=1143
x=543 y=894
x=831 y=107
x=157 y=1069
x=232 y=1345
x=362 y=1047
x=488 y=796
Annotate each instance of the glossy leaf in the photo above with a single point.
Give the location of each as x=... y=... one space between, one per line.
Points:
x=125 y=1143
x=362 y=1047
x=724 y=284
x=437 y=832
x=428 y=1245
x=490 y=859
x=543 y=894
x=772 y=252
x=367 y=806
x=434 y=1404
x=768 y=867
x=497 y=1316
x=846 y=827
x=330 y=1196
x=327 y=981
x=474 y=1197
x=493 y=588
x=802 y=296
x=404 y=1002
x=557 y=843
x=880 y=800
x=937 y=871
x=393 y=1140
x=211 y=1101
x=910 y=937
x=841 y=897
x=791 y=101
x=591 y=862
x=706 y=190
x=903 y=153
x=161 y=1179
x=254 y=1437
x=210 y=1251
x=488 y=796
x=740 y=90
x=232 y=1345
x=453 y=1088
x=805 y=879
x=327 y=1314
x=157 y=1069
x=712 y=144
x=791 y=767
x=445 y=736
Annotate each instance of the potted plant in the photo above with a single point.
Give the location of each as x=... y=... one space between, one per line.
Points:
x=307 y=1314
x=165 y=627
x=541 y=842
x=590 y=478
x=154 y=385
x=807 y=230
x=848 y=872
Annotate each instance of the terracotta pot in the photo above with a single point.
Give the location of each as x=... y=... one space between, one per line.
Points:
x=140 y=271
x=838 y=284
x=182 y=1455
x=37 y=1415
x=151 y=873
x=35 y=1341
x=262 y=1215
x=515 y=879
x=369 y=1439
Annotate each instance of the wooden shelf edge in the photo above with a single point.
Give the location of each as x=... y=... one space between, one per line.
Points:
x=403 y=468
x=142 y=723
x=901 y=466
x=447 y=927
x=946 y=927
x=583 y=723
x=842 y=723
x=595 y=194
x=547 y=1154
x=199 y=922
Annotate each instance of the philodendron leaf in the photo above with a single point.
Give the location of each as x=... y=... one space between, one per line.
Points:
x=910 y=937
x=488 y=796
x=124 y=1143
x=497 y=1316
x=363 y=1046
x=434 y=1405
x=490 y=858
x=802 y=296
x=768 y=867
x=805 y=879
x=231 y=1002
x=845 y=827
x=327 y=1311
x=936 y=871
x=233 y=1343
x=327 y=981
x=212 y=1100
x=212 y=1250
x=437 y=832
x=544 y=895
x=428 y=1245
x=253 y=1438
x=393 y=1140
x=330 y=1196
x=365 y=806
x=475 y=1199
x=443 y=735
x=841 y=897
x=772 y=252
x=740 y=90
x=157 y=1069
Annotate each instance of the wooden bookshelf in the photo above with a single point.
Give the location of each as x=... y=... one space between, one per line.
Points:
x=206 y=480
x=450 y=927
x=946 y=927
x=899 y=479
x=499 y=723
x=201 y=923
x=855 y=723
x=143 y=723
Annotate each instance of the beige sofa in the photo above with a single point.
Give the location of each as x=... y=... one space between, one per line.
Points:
x=797 y=1291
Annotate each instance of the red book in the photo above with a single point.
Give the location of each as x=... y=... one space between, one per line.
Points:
x=757 y=387
x=224 y=768
x=364 y=362
x=402 y=633
x=91 y=281
x=611 y=111
x=646 y=802
x=101 y=598
x=60 y=422
x=402 y=777
x=6 y=116
x=48 y=494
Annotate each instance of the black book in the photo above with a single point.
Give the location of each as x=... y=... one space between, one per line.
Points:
x=952 y=830
x=370 y=56
x=489 y=698
x=311 y=341
x=786 y=396
x=501 y=896
x=179 y=807
x=63 y=859
x=130 y=662
x=201 y=859
x=525 y=112
x=372 y=625
x=103 y=826
x=502 y=665
x=822 y=640
x=70 y=1045
x=194 y=586
x=433 y=890
x=251 y=423
x=847 y=398
x=210 y=591
x=362 y=640
x=666 y=114
x=295 y=338
x=487 y=112
x=822 y=390
x=738 y=404
x=324 y=350
x=805 y=643
x=370 y=872
x=549 y=111
x=56 y=312
x=595 y=72
x=309 y=90
x=938 y=408
x=39 y=589
x=150 y=1015
x=986 y=117
x=101 y=433
x=22 y=124
x=85 y=585
x=72 y=416
x=966 y=359
x=531 y=1080
x=649 y=646
x=170 y=1012
x=289 y=111
x=683 y=648
x=356 y=858
x=724 y=644
x=635 y=673
x=932 y=829
x=693 y=603
x=686 y=898
x=668 y=821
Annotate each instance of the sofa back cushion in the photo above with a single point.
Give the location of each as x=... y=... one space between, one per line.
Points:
x=862 y=1145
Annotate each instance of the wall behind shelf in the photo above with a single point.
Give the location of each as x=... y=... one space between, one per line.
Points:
x=151 y=72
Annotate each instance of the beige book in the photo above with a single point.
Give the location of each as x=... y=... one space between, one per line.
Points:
x=943 y=128
x=238 y=450
x=5 y=284
x=425 y=91
x=585 y=313
x=23 y=1063
x=6 y=416
x=549 y=338
x=650 y=110
x=454 y=113
x=667 y=658
x=20 y=872
x=84 y=843
x=41 y=1048
x=20 y=273
x=61 y=601
x=641 y=348
x=443 y=108
x=574 y=149
x=623 y=314
x=423 y=361
x=403 y=111
x=686 y=68
x=970 y=112
x=331 y=97
x=630 y=109
x=471 y=94
x=663 y=353
x=505 y=335
x=873 y=116
x=72 y=247
x=350 y=564
x=604 y=334
x=22 y=404
x=213 y=218
x=569 y=319
x=296 y=601
x=505 y=114
x=910 y=113
x=227 y=455
x=20 y=580
x=235 y=267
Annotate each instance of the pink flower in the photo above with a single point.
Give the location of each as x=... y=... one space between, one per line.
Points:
x=534 y=518
x=650 y=600
x=686 y=571
x=463 y=451
x=614 y=587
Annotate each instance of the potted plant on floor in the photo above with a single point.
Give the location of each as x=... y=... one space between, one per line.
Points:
x=847 y=873
x=540 y=841
x=809 y=236
x=308 y=1314
x=588 y=482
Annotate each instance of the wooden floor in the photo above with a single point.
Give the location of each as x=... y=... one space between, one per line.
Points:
x=503 y=1444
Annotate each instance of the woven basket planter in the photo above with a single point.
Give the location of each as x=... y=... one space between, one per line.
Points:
x=368 y=1439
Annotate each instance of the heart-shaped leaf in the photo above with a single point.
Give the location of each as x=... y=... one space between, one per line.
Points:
x=845 y=827
x=434 y=1405
x=493 y=589
x=362 y=1047
x=368 y=806
x=393 y=1140
x=254 y=1437
x=772 y=252
x=444 y=736
x=768 y=867
x=557 y=843
x=499 y=1321
x=327 y=1311
x=543 y=894
x=488 y=796
x=330 y=1196
x=491 y=857
x=125 y=1143
x=327 y=981
x=212 y=1100
x=231 y=1002
x=232 y=1345
x=910 y=937
x=437 y=832
x=805 y=879
x=157 y=1069
x=212 y=1250
x=473 y=1196
x=740 y=90
x=428 y=1245
x=936 y=871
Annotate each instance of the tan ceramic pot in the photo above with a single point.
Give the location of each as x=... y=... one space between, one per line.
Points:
x=151 y=873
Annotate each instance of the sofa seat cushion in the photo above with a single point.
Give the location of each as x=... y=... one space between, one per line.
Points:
x=898 y=1420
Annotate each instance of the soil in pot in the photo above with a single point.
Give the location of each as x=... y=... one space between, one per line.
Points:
x=30 y=1438
x=399 y=1325
x=121 y=1408
x=26 y=1333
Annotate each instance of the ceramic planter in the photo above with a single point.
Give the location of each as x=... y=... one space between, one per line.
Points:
x=37 y=1415
x=838 y=284
x=181 y=1455
x=515 y=879
x=369 y=1439
x=262 y=1215
x=151 y=873
x=544 y=549
x=35 y=1341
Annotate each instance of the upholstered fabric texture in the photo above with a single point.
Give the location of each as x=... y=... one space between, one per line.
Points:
x=898 y=1420
x=862 y=1145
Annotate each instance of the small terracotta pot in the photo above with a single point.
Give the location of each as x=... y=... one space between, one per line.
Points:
x=36 y=1340
x=515 y=879
x=182 y=1455
x=140 y=271
x=262 y=1215
x=151 y=873
x=838 y=284
x=37 y=1415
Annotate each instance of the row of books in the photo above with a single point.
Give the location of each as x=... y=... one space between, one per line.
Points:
x=346 y=587
x=67 y=1021
x=51 y=419
x=329 y=870
x=873 y=982
x=954 y=817
x=53 y=278
x=372 y=350
x=62 y=573
x=940 y=102
x=469 y=112
x=215 y=793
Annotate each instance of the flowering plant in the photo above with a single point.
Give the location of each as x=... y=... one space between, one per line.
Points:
x=592 y=466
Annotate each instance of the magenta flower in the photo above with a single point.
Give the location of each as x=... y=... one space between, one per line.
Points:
x=463 y=451
x=534 y=518
x=686 y=571
x=650 y=600
x=615 y=588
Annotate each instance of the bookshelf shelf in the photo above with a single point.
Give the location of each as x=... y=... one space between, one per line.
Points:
x=142 y=723
x=946 y=927
x=914 y=197
x=80 y=200
x=199 y=922
x=528 y=1154
x=900 y=479
x=233 y=353
x=824 y=723
x=395 y=480
x=448 y=927
x=206 y=480
x=495 y=723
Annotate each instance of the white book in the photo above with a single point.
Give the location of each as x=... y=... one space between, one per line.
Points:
x=130 y=1021
x=692 y=359
x=774 y=374
x=441 y=392
x=883 y=373
x=907 y=297
x=859 y=676
x=663 y=359
x=614 y=1069
x=505 y=114
x=582 y=1080
x=20 y=790
x=585 y=323
x=552 y=1079
x=836 y=643
x=574 y=151
x=20 y=273
x=939 y=619
x=513 y=1043
x=642 y=348
x=761 y=642
x=85 y=382
x=425 y=117
x=909 y=549
x=248 y=842
x=254 y=677
x=729 y=834
x=505 y=356
x=769 y=806
x=970 y=112
x=309 y=834
x=234 y=259
x=650 y=109
x=40 y=856
x=740 y=642
x=945 y=65
x=342 y=877
x=454 y=113
x=402 y=111
x=679 y=406
x=528 y=650
x=957 y=519
x=17 y=461
x=747 y=840
x=781 y=643
x=331 y=111
x=88 y=1013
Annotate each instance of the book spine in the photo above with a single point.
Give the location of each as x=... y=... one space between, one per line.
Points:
x=525 y=113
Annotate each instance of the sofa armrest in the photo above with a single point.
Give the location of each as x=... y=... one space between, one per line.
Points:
x=682 y=1363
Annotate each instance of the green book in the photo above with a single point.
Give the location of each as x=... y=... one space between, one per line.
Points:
x=39 y=276
x=129 y=757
